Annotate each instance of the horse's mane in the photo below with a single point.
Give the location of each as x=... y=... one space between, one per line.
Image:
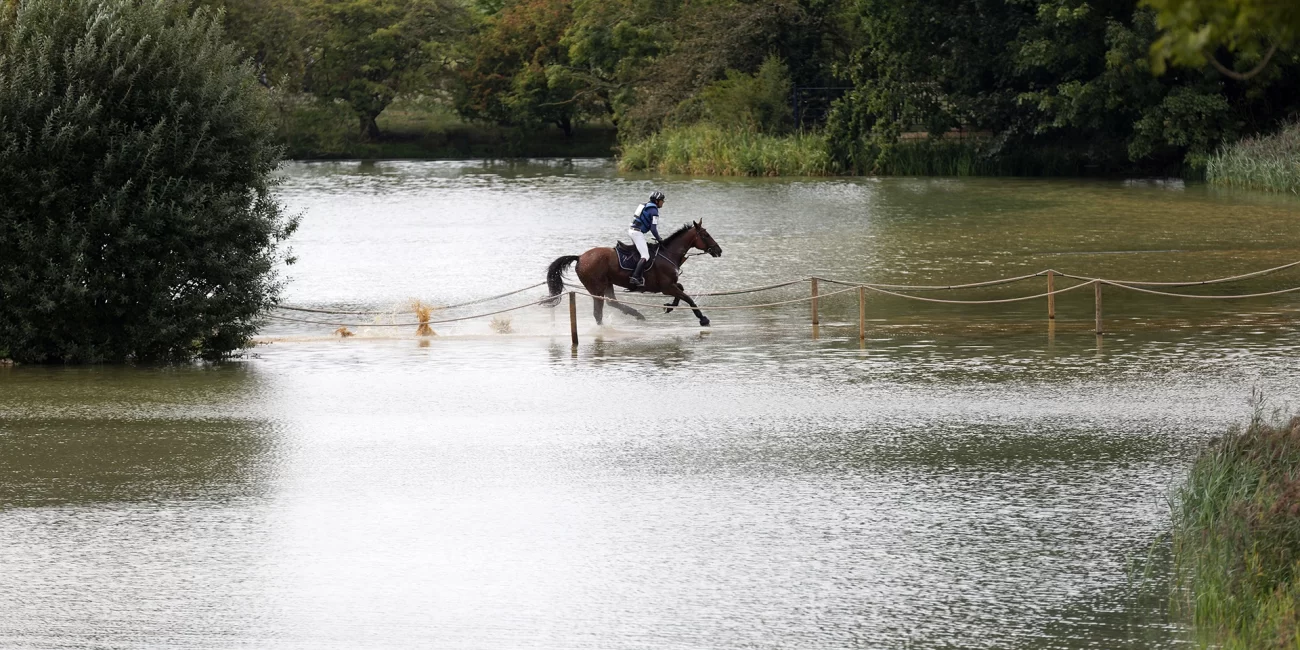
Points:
x=675 y=235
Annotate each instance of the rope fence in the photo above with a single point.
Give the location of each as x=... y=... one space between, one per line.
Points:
x=895 y=290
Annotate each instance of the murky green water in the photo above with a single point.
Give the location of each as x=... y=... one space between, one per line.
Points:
x=964 y=479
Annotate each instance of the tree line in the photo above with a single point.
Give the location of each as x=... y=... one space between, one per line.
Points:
x=1115 y=82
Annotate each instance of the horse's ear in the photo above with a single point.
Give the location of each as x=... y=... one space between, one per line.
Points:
x=700 y=223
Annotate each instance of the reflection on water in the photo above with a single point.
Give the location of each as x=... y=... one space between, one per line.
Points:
x=968 y=477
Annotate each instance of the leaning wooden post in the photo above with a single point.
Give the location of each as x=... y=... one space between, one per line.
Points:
x=1096 y=285
x=1051 y=297
x=862 y=313
x=814 y=301
x=573 y=317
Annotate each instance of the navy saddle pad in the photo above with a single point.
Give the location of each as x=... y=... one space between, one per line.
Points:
x=628 y=255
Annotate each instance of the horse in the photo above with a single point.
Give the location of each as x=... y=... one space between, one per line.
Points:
x=599 y=272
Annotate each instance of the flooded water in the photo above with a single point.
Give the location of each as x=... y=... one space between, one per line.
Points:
x=964 y=478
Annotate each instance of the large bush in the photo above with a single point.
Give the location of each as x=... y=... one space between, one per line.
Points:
x=136 y=161
x=758 y=102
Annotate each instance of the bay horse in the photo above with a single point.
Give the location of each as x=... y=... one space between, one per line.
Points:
x=599 y=271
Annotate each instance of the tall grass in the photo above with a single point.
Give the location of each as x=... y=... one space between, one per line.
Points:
x=1236 y=539
x=708 y=150
x=1270 y=163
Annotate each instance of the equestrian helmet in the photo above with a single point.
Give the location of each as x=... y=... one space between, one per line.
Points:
x=656 y=196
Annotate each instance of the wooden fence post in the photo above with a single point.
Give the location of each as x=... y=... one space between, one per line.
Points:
x=814 y=301
x=1096 y=285
x=1051 y=297
x=862 y=314
x=573 y=317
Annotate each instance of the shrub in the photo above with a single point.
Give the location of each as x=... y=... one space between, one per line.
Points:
x=136 y=161
x=758 y=102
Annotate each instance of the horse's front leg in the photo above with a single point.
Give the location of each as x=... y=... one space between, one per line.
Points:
x=676 y=292
x=668 y=306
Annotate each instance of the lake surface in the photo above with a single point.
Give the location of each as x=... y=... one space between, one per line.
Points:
x=965 y=478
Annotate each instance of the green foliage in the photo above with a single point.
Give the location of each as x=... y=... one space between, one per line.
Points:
x=1186 y=118
x=1270 y=163
x=1192 y=30
x=1236 y=539
x=758 y=102
x=418 y=127
x=517 y=74
x=1070 y=81
x=701 y=42
x=136 y=162
x=930 y=66
x=710 y=150
x=370 y=51
x=311 y=127
x=714 y=150
x=610 y=44
x=274 y=34
x=1042 y=75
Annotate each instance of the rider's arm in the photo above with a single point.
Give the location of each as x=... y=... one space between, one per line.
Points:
x=654 y=223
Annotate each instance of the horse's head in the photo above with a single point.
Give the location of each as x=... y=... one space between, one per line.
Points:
x=704 y=241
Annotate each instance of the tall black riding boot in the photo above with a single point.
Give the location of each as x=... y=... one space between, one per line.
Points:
x=636 y=280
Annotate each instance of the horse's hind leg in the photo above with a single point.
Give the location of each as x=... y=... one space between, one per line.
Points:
x=594 y=287
x=613 y=301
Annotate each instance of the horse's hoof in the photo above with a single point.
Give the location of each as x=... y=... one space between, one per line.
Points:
x=640 y=317
x=704 y=322
x=668 y=308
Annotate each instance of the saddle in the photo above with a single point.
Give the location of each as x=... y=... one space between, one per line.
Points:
x=628 y=255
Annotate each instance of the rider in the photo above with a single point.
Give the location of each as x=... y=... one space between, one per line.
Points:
x=645 y=219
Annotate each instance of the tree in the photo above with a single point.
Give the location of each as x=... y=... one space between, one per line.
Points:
x=517 y=71
x=759 y=102
x=273 y=33
x=1069 y=76
x=610 y=44
x=1252 y=30
x=136 y=161
x=370 y=51
x=702 y=41
x=928 y=64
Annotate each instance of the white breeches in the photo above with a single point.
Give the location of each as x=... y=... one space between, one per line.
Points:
x=638 y=238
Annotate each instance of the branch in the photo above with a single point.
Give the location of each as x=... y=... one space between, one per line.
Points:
x=1242 y=76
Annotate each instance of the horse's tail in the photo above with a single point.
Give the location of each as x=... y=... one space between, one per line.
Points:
x=555 y=278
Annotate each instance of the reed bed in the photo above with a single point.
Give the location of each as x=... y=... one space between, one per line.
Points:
x=708 y=150
x=1236 y=539
x=1270 y=163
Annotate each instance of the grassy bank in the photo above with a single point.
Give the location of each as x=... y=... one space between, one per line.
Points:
x=1270 y=163
x=423 y=128
x=705 y=149
x=1236 y=539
